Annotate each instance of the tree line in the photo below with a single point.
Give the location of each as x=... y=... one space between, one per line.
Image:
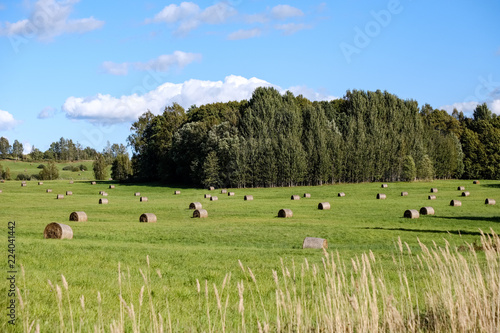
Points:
x=287 y=140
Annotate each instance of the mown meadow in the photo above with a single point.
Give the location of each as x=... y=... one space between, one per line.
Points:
x=243 y=268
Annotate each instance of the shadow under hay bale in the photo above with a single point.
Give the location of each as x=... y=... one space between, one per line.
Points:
x=49 y=190
x=461 y=188
x=207 y=196
x=490 y=201
x=285 y=213
x=432 y=197
x=295 y=197
x=137 y=194
x=248 y=197
x=341 y=194
x=455 y=203
x=411 y=214
x=307 y=195
x=315 y=243
x=103 y=201
x=404 y=194
x=465 y=193
x=148 y=217
x=60 y=196
x=177 y=192
x=143 y=199
x=324 y=205
x=223 y=191
x=195 y=205
x=58 y=231
x=426 y=211
x=230 y=194
x=69 y=193
x=434 y=190
x=200 y=213
x=381 y=196
x=78 y=217
x=384 y=186
x=213 y=198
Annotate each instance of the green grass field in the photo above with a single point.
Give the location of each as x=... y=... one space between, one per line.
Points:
x=183 y=250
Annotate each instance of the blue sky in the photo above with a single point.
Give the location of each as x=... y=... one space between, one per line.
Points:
x=85 y=70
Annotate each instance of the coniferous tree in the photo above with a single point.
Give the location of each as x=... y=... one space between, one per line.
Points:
x=409 y=169
x=99 y=167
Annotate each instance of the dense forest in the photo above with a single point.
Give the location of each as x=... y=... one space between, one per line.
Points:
x=286 y=140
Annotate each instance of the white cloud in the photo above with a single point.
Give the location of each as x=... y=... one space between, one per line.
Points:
x=495 y=106
x=27 y=147
x=109 y=109
x=257 y=18
x=244 y=34
x=47 y=112
x=7 y=121
x=291 y=28
x=468 y=107
x=282 y=12
x=161 y=64
x=311 y=94
x=49 y=19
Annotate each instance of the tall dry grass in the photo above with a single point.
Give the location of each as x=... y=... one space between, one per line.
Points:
x=438 y=289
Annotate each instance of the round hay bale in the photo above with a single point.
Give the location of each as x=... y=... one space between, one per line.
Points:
x=2 y=180
x=248 y=197
x=213 y=198
x=40 y=183
x=411 y=214
x=384 y=186
x=23 y=182
x=295 y=197
x=195 y=205
x=314 y=243
x=324 y=205
x=0 y=191
x=60 y=196
x=71 y=182
x=434 y=190
x=223 y=191
x=93 y=183
x=111 y=186
x=143 y=199
x=49 y=190
x=211 y=188
x=381 y=196
x=137 y=194
x=475 y=182
x=78 y=217
x=103 y=201
x=104 y=194
x=207 y=196
x=490 y=201
x=341 y=194
x=404 y=194
x=23 y=185
x=177 y=192
x=455 y=203
x=200 y=213
x=461 y=188
x=432 y=197
x=148 y=217
x=285 y=213
x=69 y=193
x=426 y=211
x=307 y=195
x=58 y=231
x=110 y=178
x=230 y=194
x=465 y=193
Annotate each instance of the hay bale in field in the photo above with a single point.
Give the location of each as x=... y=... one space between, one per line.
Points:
x=285 y=213
x=434 y=190
x=213 y=198
x=69 y=193
x=177 y=192
x=23 y=182
x=40 y=183
x=223 y=191
x=248 y=197
x=295 y=197
x=137 y=194
x=455 y=203
x=341 y=194
x=148 y=217
x=58 y=231
x=490 y=201
x=211 y=188
x=314 y=243
x=381 y=196
x=384 y=186
x=475 y=182
x=103 y=201
x=426 y=211
x=93 y=183
x=60 y=196
x=78 y=217
x=307 y=195
x=411 y=214
x=324 y=205
x=104 y=194
x=0 y=191
x=49 y=190
x=2 y=180
x=432 y=197
x=71 y=182
x=200 y=213
x=230 y=194
x=23 y=185
x=111 y=186
x=465 y=193
x=207 y=196
x=195 y=205
x=461 y=188
x=143 y=199
x=404 y=194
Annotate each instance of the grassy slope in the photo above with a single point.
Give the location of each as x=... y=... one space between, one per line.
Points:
x=185 y=249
